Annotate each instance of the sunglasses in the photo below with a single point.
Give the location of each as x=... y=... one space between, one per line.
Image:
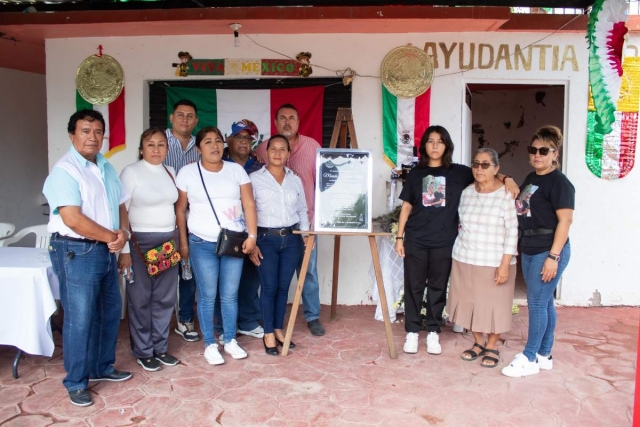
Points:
x=542 y=150
x=476 y=165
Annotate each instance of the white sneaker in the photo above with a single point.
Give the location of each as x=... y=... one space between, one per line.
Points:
x=411 y=343
x=433 y=343
x=258 y=332
x=213 y=356
x=545 y=363
x=521 y=367
x=457 y=329
x=187 y=331
x=234 y=350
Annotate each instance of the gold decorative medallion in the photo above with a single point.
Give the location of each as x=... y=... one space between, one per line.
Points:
x=100 y=79
x=407 y=71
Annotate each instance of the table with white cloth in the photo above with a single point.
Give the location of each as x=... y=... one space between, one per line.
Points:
x=28 y=290
x=392 y=266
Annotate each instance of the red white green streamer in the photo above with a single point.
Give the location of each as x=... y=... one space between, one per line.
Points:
x=611 y=133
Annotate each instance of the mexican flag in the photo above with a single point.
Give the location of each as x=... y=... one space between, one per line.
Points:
x=113 y=113
x=222 y=107
x=404 y=120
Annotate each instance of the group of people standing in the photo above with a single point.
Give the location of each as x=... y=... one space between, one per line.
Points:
x=471 y=243
x=174 y=201
x=456 y=222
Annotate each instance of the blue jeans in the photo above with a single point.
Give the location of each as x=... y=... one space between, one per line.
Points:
x=281 y=257
x=213 y=272
x=90 y=296
x=542 y=312
x=249 y=310
x=311 y=290
x=187 y=291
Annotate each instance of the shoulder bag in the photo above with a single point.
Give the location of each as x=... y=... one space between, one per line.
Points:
x=229 y=242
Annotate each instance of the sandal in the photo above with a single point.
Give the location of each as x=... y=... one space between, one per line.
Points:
x=492 y=359
x=472 y=354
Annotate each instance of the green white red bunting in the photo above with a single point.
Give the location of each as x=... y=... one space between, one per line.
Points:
x=612 y=119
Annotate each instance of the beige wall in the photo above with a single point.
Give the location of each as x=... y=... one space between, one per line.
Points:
x=23 y=148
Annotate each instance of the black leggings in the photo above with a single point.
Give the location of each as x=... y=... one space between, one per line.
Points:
x=430 y=268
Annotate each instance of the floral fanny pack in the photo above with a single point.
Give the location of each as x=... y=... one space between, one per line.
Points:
x=161 y=258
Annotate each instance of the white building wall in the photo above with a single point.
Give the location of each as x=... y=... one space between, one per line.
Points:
x=604 y=234
x=23 y=148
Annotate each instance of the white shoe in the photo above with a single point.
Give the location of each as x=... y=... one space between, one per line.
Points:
x=411 y=343
x=433 y=343
x=521 y=367
x=234 y=350
x=213 y=356
x=457 y=329
x=258 y=332
x=187 y=331
x=545 y=363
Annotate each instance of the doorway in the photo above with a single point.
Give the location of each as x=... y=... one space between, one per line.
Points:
x=504 y=117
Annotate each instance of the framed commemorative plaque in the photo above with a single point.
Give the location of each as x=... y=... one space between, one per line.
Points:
x=344 y=180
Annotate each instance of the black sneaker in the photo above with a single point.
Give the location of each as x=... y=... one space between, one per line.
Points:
x=166 y=359
x=115 y=376
x=149 y=364
x=316 y=328
x=80 y=397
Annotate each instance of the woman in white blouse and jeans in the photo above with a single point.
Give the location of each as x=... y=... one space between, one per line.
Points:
x=281 y=209
x=483 y=271
x=153 y=221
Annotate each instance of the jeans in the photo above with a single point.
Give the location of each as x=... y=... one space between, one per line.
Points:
x=311 y=290
x=187 y=297
x=281 y=256
x=249 y=309
x=213 y=273
x=542 y=312
x=90 y=296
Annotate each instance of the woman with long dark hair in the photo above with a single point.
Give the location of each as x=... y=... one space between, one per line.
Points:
x=427 y=230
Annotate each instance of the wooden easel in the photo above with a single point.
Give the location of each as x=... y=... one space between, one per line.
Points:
x=343 y=125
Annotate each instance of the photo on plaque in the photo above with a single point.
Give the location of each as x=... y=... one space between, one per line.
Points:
x=343 y=190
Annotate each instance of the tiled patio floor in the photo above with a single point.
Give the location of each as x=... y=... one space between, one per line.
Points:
x=347 y=379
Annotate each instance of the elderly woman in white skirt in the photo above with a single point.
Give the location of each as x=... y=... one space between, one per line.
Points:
x=483 y=271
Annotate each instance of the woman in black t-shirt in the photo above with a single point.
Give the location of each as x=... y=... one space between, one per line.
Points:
x=544 y=244
x=427 y=230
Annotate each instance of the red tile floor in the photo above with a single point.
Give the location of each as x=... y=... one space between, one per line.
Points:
x=347 y=379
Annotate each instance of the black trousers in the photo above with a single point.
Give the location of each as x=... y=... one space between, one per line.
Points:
x=425 y=268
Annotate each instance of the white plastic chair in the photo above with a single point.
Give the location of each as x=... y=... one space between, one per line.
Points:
x=6 y=229
x=42 y=236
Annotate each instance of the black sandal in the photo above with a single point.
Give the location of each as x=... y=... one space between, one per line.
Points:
x=473 y=355
x=486 y=358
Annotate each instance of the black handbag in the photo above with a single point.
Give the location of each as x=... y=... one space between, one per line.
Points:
x=229 y=242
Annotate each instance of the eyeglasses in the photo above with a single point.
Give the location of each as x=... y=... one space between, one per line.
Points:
x=476 y=165
x=542 y=150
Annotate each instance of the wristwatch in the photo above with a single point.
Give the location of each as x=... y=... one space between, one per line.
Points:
x=399 y=238
x=553 y=256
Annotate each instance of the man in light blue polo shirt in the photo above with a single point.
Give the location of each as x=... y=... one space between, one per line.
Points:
x=88 y=224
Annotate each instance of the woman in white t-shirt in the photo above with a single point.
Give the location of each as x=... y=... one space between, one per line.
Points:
x=229 y=190
x=153 y=222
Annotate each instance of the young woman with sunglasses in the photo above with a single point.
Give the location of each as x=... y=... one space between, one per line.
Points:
x=543 y=230
x=427 y=232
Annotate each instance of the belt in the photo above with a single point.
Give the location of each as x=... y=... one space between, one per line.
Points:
x=282 y=231
x=535 y=232
x=59 y=236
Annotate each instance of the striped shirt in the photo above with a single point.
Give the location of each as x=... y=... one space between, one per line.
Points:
x=279 y=205
x=488 y=228
x=177 y=157
x=303 y=163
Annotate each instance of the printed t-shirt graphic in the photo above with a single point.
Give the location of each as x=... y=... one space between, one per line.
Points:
x=523 y=202
x=433 y=191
